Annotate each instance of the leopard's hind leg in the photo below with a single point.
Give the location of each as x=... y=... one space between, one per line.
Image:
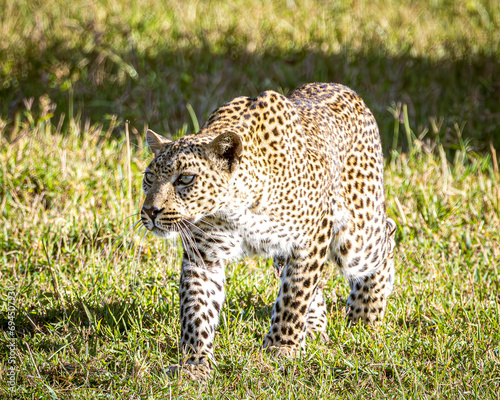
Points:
x=371 y=278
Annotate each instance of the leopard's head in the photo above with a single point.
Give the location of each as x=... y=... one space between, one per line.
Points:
x=187 y=180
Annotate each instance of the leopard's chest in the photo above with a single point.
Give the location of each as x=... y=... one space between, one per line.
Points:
x=264 y=234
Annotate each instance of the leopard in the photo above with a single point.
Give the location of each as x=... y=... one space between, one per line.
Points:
x=295 y=179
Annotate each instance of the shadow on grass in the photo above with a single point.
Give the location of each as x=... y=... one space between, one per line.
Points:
x=86 y=345
x=464 y=93
x=89 y=321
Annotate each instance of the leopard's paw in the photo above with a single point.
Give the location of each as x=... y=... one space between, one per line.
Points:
x=280 y=350
x=195 y=372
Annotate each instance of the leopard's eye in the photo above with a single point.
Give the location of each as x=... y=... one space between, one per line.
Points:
x=149 y=177
x=186 y=179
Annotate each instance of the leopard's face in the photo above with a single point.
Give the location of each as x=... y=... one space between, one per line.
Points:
x=185 y=182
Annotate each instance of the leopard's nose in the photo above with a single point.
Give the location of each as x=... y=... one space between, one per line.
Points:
x=152 y=212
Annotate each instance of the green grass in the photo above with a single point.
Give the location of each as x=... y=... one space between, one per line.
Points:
x=96 y=313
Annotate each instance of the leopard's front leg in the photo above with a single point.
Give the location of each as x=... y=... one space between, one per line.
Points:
x=201 y=299
x=289 y=318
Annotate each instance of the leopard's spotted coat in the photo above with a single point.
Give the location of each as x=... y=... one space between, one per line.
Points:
x=297 y=178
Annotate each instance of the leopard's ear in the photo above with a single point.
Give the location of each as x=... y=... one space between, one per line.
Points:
x=228 y=147
x=391 y=227
x=156 y=142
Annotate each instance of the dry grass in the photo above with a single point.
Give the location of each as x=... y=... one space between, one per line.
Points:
x=147 y=61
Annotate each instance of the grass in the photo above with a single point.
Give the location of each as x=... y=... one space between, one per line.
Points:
x=96 y=306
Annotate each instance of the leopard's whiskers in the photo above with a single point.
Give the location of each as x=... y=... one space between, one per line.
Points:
x=135 y=265
x=118 y=242
x=190 y=238
x=209 y=235
x=132 y=243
